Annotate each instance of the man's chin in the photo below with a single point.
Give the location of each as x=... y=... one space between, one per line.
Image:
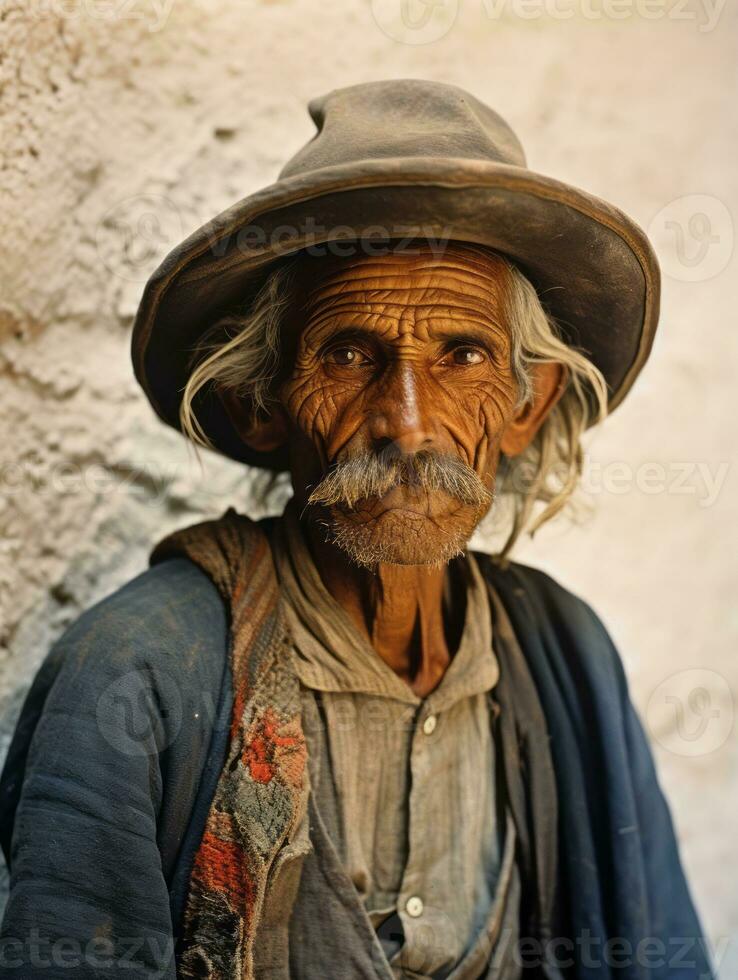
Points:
x=399 y=535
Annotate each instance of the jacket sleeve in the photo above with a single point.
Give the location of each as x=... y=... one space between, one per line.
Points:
x=674 y=920
x=104 y=767
x=622 y=876
x=675 y=946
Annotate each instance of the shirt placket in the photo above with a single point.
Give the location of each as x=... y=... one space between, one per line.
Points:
x=424 y=923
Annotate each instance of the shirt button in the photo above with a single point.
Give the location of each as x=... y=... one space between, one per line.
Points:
x=414 y=906
x=429 y=725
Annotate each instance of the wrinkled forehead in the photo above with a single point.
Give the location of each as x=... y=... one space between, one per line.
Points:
x=454 y=274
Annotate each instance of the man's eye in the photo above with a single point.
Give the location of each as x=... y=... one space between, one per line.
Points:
x=347 y=356
x=466 y=356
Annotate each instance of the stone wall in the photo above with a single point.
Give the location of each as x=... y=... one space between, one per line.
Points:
x=125 y=124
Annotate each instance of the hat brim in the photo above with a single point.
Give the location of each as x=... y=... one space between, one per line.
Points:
x=593 y=267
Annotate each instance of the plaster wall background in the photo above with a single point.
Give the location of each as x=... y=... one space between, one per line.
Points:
x=125 y=125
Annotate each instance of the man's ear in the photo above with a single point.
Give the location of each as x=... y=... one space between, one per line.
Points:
x=264 y=434
x=549 y=381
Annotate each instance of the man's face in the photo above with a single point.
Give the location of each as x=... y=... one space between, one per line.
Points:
x=401 y=357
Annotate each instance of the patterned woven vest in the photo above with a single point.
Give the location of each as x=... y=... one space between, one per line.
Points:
x=262 y=792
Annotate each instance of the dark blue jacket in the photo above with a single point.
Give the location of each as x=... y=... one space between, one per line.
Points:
x=123 y=734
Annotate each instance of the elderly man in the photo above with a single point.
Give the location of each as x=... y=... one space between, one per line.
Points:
x=339 y=743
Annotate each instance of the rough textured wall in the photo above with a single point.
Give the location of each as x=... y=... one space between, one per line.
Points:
x=124 y=125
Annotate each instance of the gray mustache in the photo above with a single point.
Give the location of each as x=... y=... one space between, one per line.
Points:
x=375 y=474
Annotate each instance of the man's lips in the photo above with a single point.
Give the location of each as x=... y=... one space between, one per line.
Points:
x=401 y=498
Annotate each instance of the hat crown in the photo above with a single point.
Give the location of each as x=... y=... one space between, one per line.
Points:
x=403 y=118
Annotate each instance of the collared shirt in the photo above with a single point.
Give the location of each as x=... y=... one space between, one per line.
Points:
x=405 y=785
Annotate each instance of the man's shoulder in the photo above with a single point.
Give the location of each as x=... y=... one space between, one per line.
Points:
x=527 y=581
x=169 y=622
x=163 y=613
x=143 y=669
x=542 y=609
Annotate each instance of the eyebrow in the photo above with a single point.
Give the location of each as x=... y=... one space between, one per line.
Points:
x=466 y=334
x=469 y=335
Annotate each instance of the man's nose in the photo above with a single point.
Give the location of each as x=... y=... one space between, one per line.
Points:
x=400 y=416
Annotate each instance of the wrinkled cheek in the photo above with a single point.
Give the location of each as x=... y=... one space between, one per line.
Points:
x=327 y=415
x=308 y=410
x=483 y=421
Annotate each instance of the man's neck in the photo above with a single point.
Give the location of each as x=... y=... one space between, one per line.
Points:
x=399 y=608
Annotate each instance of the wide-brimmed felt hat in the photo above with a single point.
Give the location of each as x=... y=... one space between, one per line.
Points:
x=400 y=159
